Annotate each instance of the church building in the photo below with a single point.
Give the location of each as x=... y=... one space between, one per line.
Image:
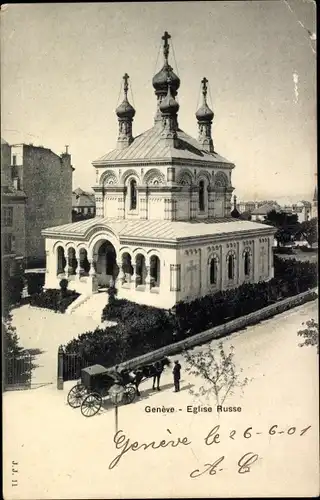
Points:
x=163 y=230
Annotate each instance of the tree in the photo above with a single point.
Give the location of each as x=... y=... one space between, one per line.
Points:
x=310 y=334
x=309 y=229
x=11 y=345
x=217 y=371
x=246 y=215
x=287 y=225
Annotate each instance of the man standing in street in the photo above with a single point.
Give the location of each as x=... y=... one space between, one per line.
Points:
x=176 y=376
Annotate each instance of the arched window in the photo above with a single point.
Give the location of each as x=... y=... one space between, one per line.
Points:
x=246 y=264
x=213 y=271
x=133 y=194
x=230 y=267
x=201 y=196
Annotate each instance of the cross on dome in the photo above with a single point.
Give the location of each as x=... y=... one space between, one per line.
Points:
x=125 y=110
x=125 y=85
x=204 y=82
x=165 y=39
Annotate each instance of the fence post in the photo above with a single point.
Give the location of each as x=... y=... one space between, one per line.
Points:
x=60 y=368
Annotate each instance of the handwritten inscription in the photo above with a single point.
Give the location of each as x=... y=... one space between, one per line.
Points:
x=214 y=436
x=122 y=443
x=244 y=465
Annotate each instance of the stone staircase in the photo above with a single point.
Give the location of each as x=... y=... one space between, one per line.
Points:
x=90 y=306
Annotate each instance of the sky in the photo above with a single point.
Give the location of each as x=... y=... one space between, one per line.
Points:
x=62 y=67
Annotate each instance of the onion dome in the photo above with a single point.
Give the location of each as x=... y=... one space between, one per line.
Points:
x=160 y=80
x=125 y=110
x=204 y=113
x=235 y=213
x=169 y=105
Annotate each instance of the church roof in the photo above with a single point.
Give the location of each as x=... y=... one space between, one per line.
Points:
x=150 y=146
x=171 y=231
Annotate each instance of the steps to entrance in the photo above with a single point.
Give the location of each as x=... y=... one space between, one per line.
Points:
x=92 y=306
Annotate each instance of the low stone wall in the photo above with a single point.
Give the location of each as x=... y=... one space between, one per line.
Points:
x=222 y=330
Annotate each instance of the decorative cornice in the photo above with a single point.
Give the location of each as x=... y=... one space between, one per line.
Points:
x=162 y=161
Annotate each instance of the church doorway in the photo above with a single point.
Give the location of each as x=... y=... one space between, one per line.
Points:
x=106 y=267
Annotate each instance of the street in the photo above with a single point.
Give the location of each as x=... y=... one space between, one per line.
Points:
x=61 y=454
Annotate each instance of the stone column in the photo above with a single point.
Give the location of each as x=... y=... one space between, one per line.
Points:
x=66 y=267
x=148 y=278
x=120 y=277
x=134 y=277
x=77 y=269
x=60 y=368
x=210 y=202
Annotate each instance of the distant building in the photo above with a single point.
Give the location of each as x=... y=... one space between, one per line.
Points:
x=83 y=203
x=45 y=179
x=260 y=213
x=13 y=206
x=302 y=209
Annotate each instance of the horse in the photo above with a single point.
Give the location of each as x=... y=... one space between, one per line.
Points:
x=153 y=370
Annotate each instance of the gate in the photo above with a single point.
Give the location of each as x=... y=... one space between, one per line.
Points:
x=17 y=371
x=72 y=366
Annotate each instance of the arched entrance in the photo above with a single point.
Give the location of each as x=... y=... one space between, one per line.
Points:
x=106 y=263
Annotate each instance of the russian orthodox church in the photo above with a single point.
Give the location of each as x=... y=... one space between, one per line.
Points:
x=163 y=230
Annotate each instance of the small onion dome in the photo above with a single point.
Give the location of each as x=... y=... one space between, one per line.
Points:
x=125 y=110
x=169 y=105
x=235 y=213
x=160 y=80
x=204 y=113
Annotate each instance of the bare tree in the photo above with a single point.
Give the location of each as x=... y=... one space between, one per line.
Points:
x=217 y=370
x=310 y=334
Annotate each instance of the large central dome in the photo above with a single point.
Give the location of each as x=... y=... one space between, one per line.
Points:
x=160 y=80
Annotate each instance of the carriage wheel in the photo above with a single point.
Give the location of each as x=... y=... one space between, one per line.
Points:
x=129 y=394
x=75 y=395
x=91 y=404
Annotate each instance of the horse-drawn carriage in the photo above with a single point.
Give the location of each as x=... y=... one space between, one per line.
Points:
x=96 y=382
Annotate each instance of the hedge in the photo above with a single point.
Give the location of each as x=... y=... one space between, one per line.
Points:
x=35 y=282
x=142 y=328
x=57 y=300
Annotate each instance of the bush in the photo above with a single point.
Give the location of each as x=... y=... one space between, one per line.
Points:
x=56 y=300
x=142 y=328
x=35 y=282
x=12 y=292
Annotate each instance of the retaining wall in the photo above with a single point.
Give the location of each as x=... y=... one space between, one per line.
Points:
x=213 y=333
x=222 y=330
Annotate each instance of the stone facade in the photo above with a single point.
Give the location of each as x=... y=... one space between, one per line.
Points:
x=13 y=205
x=45 y=178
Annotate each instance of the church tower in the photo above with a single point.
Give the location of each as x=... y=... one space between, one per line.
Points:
x=125 y=113
x=160 y=80
x=205 y=116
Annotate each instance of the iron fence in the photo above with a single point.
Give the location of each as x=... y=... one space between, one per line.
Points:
x=72 y=366
x=17 y=372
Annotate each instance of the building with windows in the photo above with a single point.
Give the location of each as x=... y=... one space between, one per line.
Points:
x=163 y=230
x=42 y=177
x=13 y=207
x=83 y=203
